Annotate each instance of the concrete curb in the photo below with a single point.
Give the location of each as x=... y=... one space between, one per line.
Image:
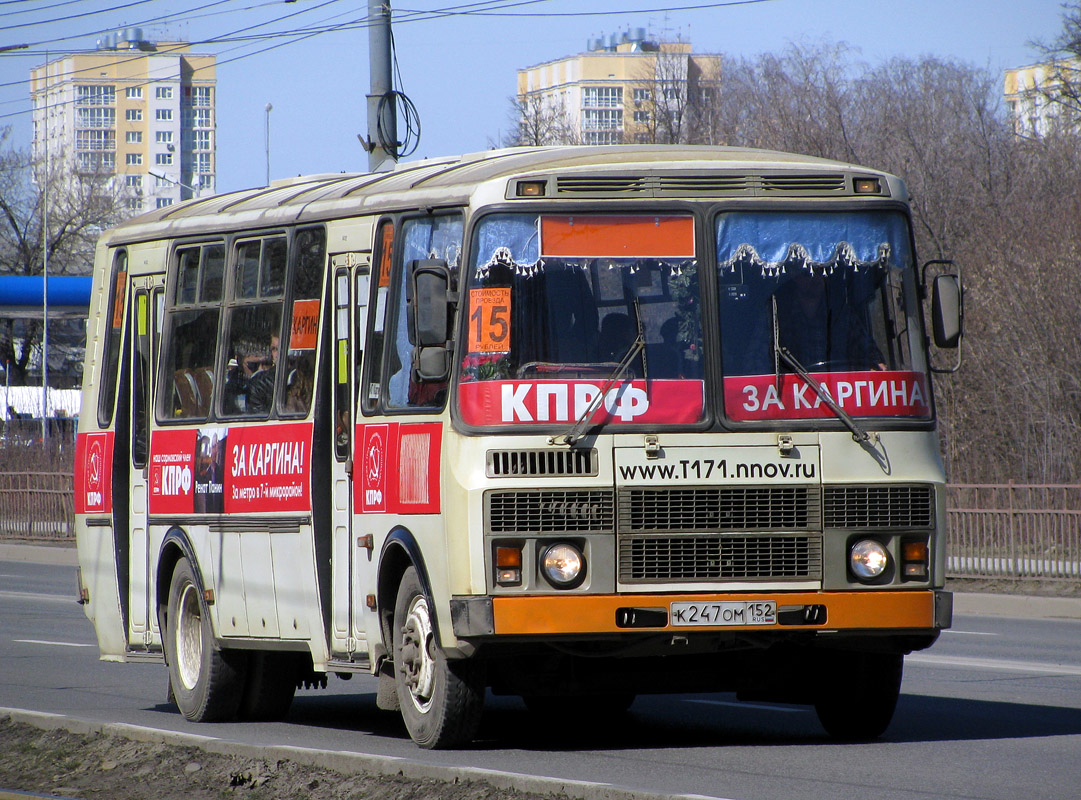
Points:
x=342 y=761
x=60 y=553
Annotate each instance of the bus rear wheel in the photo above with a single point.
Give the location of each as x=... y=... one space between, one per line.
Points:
x=857 y=693
x=441 y=700
x=207 y=682
x=270 y=686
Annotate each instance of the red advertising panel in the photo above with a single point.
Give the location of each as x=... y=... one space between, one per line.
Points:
x=231 y=470
x=861 y=394
x=94 y=473
x=398 y=468
x=659 y=402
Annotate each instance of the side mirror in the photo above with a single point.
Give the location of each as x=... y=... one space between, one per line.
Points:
x=946 y=311
x=430 y=307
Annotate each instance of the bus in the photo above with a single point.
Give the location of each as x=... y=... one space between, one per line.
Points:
x=572 y=424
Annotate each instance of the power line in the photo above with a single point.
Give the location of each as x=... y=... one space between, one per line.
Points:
x=69 y=17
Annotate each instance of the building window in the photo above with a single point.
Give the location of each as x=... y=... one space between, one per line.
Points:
x=202 y=163
x=163 y=159
x=95 y=95
x=163 y=137
x=96 y=162
x=205 y=182
x=134 y=92
x=133 y=137
x=133 y=159
x=134 y=204
x=641 y=116
x=602 y=119
x=163 y=114
x=134 y=181
x=161 y=182
x=201 y=118
x=164 y=201
x=95 y=140
x=202 y=140
x=641 y=96
x=163 y=92
x=602 y=137
x=134 y=115
x=95 y=118
x=602 y=96
x=197 y=95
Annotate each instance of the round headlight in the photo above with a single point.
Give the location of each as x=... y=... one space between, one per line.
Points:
x=563 y=565
x=868 y=559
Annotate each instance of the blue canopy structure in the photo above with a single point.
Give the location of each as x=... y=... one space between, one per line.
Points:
x=24 y=296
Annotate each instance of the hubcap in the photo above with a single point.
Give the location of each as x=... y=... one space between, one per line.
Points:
x=189 y=637
x=418 y=664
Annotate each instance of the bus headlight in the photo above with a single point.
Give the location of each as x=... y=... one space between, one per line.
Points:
x=868 y=559
x=563 y=565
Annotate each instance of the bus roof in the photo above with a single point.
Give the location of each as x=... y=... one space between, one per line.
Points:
x=452 y=181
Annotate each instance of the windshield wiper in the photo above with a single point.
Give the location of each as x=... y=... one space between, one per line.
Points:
x=576 y=431
x=782 y=353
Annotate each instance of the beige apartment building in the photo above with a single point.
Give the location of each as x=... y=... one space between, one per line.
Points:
x=142 y=112
x=1030 y=91
x=623 y=89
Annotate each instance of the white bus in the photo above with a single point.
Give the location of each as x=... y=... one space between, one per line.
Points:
x=573 y=424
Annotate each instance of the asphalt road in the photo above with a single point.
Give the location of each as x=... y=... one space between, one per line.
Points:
x=993 y=710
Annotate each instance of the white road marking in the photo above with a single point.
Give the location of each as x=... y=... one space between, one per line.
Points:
x=737 y=704
x=961 y=662
x=53 y=644
x=52 y=598
x=969 y=633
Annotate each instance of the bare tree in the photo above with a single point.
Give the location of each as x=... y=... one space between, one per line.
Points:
x=539 y=120
x=80 y=206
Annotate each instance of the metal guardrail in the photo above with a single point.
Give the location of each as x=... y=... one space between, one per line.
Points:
x=38 y=506
x=1010 y=530
x=993 y=530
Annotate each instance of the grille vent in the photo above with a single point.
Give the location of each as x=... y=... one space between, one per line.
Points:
x=715 y=558
x=879 y=506
x=678 y=185
x=549 y=511
x=515 y=463
x=715 y=509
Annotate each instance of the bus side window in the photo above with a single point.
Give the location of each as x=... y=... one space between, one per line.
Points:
x=423 y=237
x=141 y=383
x=192 y=330
x=114 y=322
x=308 y=268
x=255 y=323
x=373 y=389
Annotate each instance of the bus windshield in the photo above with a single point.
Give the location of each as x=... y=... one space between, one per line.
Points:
x=833 y=291
x=556 y=302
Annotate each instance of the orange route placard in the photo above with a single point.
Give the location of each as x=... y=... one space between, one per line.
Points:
x=489 y=320
x=302 y=333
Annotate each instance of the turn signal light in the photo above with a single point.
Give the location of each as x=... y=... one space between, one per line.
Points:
x=914 y=557
x=508 y=566
x=867 y=186
x=531 y=188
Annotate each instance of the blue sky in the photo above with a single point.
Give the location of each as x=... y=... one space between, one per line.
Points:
x=460 y=70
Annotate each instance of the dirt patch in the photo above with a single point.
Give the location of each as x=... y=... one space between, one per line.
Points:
x=92 y=766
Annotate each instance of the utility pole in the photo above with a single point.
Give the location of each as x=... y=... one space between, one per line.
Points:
x=382 y=144
x=45 y=273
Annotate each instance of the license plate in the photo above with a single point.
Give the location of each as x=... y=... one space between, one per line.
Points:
x=749 y=613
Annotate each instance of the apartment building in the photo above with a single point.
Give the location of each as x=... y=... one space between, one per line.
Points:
x=626 y=88
x=141 y=112
x=1030 y=93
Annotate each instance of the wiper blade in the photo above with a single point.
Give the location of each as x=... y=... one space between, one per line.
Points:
x=576 y=431
x=782 y=353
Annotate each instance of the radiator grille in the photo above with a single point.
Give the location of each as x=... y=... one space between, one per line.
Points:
x=513 y=463
x=549 y=511
x=879 y=506
x=720 y=558
x=717 y=509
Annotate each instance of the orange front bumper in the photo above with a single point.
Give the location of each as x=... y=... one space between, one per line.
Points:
x=580 y=614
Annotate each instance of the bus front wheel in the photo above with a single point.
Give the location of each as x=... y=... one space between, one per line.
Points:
x=441 y=700
x=207 y=683
x=857 y=693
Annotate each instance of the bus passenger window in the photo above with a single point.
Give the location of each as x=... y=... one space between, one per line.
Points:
x=304 y=320
x=384 y=260
x=114 y=325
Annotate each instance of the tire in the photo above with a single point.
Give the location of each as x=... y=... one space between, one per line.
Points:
x=206 y=682
x=858 y=693
x=441 y=700
x=270 y=686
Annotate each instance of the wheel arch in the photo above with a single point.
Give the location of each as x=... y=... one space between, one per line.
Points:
x=399 y=552
x=175 y=546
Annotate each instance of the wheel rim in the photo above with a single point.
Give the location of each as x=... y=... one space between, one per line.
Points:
x=418 y=663
x=189 y=637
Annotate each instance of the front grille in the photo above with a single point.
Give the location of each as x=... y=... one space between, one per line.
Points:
x=717 y=509
x=720 y=558
x=882 y=506
x=549 y=511
x=514 y=463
